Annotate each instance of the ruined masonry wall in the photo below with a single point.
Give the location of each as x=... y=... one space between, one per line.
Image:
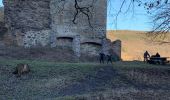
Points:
x=76 y=46
x=25 y=16
x=36 y=38
x=34 y=23
x=116 y=49
x=28 y=21
x=62 y=15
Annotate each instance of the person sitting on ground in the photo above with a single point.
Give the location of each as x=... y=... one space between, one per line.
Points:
x=109 y=58
x=102 y=55
x=157 y=55
x=146 y=56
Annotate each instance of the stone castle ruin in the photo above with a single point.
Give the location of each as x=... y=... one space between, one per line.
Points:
x=77 y=24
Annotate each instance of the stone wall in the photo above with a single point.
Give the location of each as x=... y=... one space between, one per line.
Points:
x=76 y=46
x=106 y=46
x=36 y=38
x=34 y=23
x=63 y=13
x=25 y=16
x=91 y=48
x=116 y=49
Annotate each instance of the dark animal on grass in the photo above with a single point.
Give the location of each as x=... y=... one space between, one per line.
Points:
x=21 y=69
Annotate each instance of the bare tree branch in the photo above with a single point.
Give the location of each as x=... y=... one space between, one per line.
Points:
x=84 y=10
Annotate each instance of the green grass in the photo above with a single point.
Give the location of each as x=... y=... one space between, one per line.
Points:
x=137 y=64
x=74 y=70
x=47 y=78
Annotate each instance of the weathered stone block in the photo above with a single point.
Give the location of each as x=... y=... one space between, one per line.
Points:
x=36 y=38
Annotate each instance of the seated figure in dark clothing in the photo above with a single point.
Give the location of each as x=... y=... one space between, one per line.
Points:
x=157 y=55
x=155 y=59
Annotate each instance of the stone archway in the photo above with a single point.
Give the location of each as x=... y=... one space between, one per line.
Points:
x=91 y=48
x=65 y=42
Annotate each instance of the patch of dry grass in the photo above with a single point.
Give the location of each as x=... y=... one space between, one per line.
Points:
x=135 y=43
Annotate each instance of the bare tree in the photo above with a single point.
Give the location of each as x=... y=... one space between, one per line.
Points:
x=84 y=10
x=159 y=10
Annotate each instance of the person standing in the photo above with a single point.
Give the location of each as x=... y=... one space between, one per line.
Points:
x=109 y=58
x=102 y=55
x=146 y=56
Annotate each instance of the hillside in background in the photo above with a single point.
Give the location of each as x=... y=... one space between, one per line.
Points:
x=135 y=43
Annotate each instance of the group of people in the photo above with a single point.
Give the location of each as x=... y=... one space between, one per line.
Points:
x=104 y=57
x=108 y=57
x=147 y=56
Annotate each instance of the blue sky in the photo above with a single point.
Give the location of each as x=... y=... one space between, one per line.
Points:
x=126 y=21
x=1 y=3
x=134 y=19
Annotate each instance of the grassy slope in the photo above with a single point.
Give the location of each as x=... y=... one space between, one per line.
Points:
x=134 y=43
x=41 y=82
x=84 y=80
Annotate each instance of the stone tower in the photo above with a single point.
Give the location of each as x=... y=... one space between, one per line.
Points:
x=77 y=24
